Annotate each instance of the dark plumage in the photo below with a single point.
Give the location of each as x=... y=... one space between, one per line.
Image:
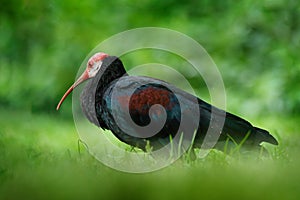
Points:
x=110 y=90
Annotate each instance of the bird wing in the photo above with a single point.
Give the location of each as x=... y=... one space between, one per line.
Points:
x=137 y=97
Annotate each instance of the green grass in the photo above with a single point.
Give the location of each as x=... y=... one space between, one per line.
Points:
x=39 y=158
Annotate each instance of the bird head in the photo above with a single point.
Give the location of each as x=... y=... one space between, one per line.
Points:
x=93 y=66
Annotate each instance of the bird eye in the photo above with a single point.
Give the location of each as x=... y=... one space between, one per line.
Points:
x=90 y=64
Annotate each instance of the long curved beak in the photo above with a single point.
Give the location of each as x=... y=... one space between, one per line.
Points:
x=81 y=79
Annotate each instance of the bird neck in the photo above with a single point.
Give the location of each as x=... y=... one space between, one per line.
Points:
x=91 y=97
x=112 y=68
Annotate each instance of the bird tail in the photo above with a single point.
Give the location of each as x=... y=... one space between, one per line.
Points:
x=264 y=136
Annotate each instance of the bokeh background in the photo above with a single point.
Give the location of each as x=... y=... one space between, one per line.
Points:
x=255 y=45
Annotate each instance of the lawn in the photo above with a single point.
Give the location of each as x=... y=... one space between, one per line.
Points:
x=40 y=158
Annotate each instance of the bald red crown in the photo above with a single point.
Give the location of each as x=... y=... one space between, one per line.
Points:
x=96 y=58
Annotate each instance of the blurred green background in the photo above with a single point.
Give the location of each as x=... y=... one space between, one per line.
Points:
x=255 y=45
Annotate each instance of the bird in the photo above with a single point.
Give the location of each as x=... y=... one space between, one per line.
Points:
x=141 y=110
